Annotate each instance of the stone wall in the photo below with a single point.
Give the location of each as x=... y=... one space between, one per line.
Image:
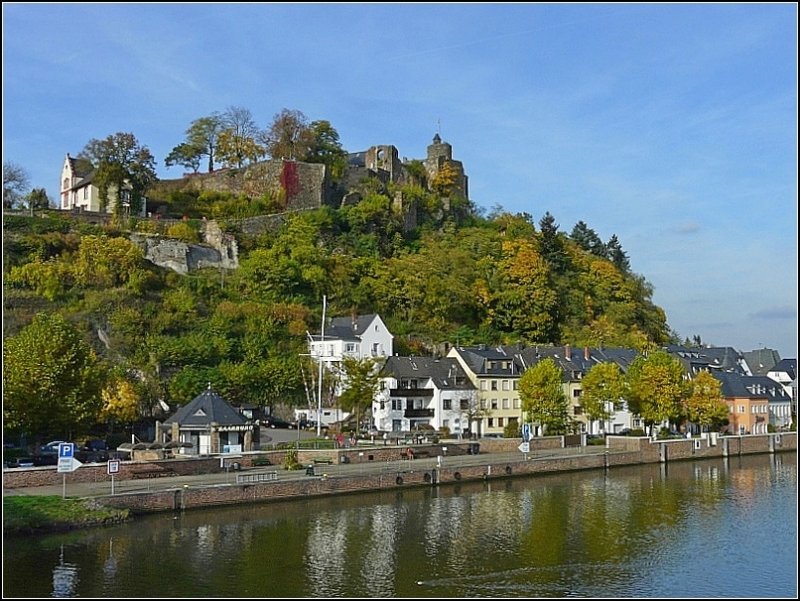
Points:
x=301 y=185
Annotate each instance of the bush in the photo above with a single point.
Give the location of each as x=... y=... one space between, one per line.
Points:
x=512 y=430
x=291 y=462
x=637 y=432
x=444 y=432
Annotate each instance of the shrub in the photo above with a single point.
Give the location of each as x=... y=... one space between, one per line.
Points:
x=290 y=462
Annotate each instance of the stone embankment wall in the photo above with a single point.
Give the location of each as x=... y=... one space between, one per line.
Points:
x=618 y=452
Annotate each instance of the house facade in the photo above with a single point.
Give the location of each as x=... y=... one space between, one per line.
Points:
x=748 y=400
x=422 y=392
x=359 y=337
x=211 y=425
x=79 y=192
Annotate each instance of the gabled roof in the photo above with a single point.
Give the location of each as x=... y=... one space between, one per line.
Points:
x=739 y=386
x=205 y=408
x=789 y=366
x=445 y=373
x=491 y=361
x=760 y=361
x=348 y=328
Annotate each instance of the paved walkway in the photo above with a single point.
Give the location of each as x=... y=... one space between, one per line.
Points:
x=99 y=489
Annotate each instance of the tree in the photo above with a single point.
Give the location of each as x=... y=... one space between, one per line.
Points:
x=705 y=406
x=602 y=388
x=186 y=155
x=543 y=398
x=327 y=149
x=656 y=388
x=361 y=380
x=237 y=141
x=120 y=402
x=617 y=256
x=38 y=199
x=289 y=136
x=121 y=163
x=51 y=379
x=588 y=240
x=15 y=181
x=550 y=244
x=203 y=133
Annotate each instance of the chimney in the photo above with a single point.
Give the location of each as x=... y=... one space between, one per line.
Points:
x=567 y=352
x=586 y=354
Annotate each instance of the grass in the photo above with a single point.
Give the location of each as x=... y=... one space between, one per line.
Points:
x=24 y=514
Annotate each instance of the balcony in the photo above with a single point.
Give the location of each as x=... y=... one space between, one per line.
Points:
x=418 y=413
x=411 y=392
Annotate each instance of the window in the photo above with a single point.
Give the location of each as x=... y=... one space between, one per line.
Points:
x=483 y=403
x=499 y=422
x=85 y=192
x=464 y=404
x=445 y=423
x=741 y=409
x=578 y=410
x=516 y=403
x=515 y=384
x=505 y=385
x=397 y=405
x=576 y=393
x=505 y=404
x=446 y=404
x=494 y=384
x=494 y=403
x=490 y=422
x=350 y=347
x=383 y=405
x=483 y=384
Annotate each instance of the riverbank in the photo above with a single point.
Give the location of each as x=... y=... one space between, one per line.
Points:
x=29 y=515
x=240 y=480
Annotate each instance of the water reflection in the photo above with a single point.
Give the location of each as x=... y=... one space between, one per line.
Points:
x=684 y=530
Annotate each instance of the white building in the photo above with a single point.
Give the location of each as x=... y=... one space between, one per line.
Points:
x=360 y=337
x=78 y=190
x=423 y=392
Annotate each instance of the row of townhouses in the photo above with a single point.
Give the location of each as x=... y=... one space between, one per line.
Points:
x=476 y=389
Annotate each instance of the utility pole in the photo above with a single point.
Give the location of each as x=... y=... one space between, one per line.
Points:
x=319 y=358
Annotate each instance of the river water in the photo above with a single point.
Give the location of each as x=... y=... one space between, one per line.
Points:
x=714 y=528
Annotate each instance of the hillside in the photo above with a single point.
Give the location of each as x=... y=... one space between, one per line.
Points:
x=452 y=276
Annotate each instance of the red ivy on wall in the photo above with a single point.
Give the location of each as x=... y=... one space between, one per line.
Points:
x=290 y=180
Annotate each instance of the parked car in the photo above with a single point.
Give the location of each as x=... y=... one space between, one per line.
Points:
x=93 y=451
x=51 y=448
x=275 y=422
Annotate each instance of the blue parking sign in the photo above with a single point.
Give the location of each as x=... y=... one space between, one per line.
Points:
x=66 y=449
x=526 y=432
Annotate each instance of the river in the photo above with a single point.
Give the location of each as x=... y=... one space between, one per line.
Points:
x=713 y=528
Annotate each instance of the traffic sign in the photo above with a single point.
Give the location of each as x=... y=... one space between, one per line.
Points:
x=525 y=447
x=68 y=464
x=526 y=432
x=113 y=466
x=66 y=449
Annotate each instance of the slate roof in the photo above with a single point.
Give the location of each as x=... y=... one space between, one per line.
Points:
x=205 y=408
x=760 y=361
x=737 y=385
x=446 y=373
x=490 y=361
x=347 y=328
x=787 y=365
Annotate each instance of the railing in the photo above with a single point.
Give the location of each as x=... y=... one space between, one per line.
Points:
x=411 y=392
x=418 y=413
x=260 y=477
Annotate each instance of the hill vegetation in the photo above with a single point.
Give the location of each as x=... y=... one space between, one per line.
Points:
x=152 y=334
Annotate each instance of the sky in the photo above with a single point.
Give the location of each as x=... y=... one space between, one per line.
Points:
x=673 y=126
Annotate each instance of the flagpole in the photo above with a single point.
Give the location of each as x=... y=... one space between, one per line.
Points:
x=319 y=358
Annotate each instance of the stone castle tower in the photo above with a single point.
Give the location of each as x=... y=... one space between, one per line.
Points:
x=439 y=154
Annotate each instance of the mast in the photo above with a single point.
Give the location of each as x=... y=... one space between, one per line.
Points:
x=319 y=379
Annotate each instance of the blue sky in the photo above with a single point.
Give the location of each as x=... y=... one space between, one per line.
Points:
x=673 y=126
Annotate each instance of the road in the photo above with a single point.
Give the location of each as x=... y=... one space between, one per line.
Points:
x=103 y=488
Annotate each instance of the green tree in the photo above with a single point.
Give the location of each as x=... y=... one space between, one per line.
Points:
x=51 y=379
x=656 y=388
x=186 y=155
x=543 y=398
x=203 y=133
x=602 y=388
x=551 y=246
x=588 y=240
x=617 y=256
x=38 y=199
x=705 y=406
x=327 y=149
x=361 y=381
x=123 y=165
x=15 y=181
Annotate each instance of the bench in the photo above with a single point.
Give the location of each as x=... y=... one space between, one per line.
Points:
x=325 y=460
x=151 y=472
x=259 y=461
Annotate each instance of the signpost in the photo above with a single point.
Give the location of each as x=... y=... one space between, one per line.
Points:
x=66 y=463
x=113 y=468
x=525 y=448
x=526 y=432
